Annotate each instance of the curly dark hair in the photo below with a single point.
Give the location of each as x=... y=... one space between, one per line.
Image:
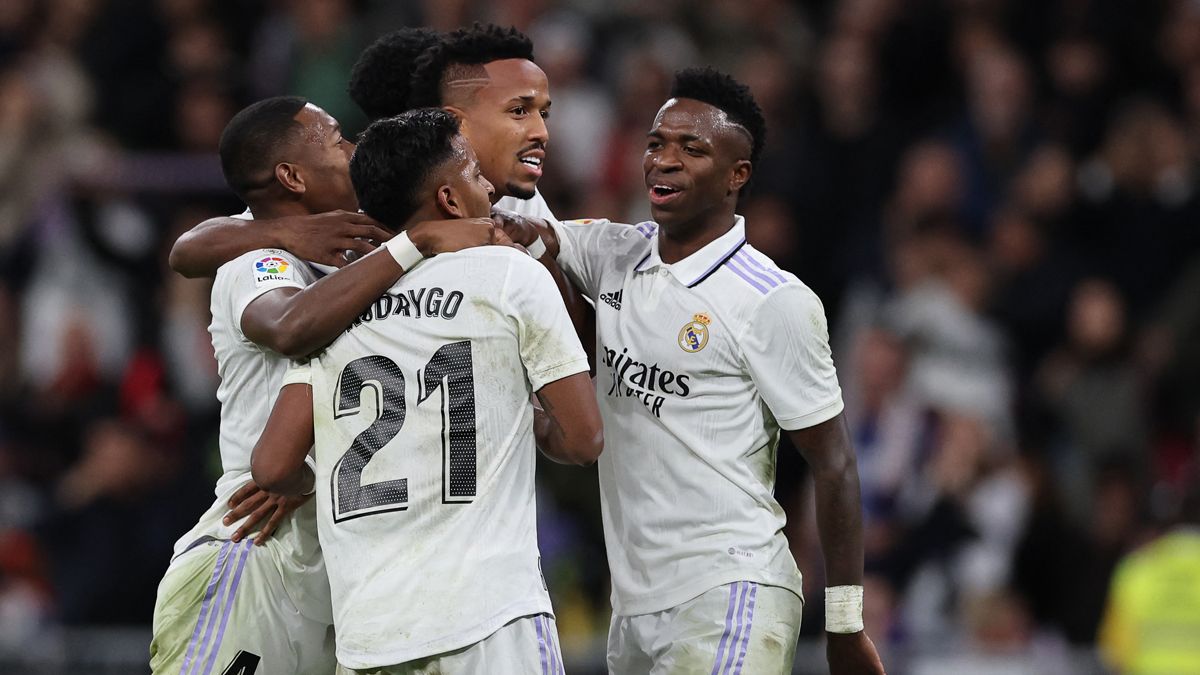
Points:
x=379 y=82
x=395 y=158
x=466 y=47
x=719 y=90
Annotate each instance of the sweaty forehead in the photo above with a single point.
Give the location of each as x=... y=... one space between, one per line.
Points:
x=317 y=124
x=696 y=118
x=510 y=78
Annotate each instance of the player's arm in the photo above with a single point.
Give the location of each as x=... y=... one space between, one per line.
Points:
x=296 y=322
x=827 y=449
x=567 y=425
x=277 y=462
x=322 y=238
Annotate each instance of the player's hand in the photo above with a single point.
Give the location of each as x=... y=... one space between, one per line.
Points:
x=852 y=654
x=446 y=236
x=520 y=230
x=259 y=506
x=334 y=238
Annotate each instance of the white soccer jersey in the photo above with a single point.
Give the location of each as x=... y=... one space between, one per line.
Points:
x=534 y=207
x=425 y=455
x=699 y=364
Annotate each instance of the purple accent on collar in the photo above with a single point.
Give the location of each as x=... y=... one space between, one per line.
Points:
x=647 y=229
x=638 y=267
x=746 y=276
x=744 y=261
x=759 y=266
x=723 y=259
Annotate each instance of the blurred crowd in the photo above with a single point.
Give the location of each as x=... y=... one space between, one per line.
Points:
x=996 y=200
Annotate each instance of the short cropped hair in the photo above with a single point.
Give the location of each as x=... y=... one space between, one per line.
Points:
x=379 y=82
x=251 y=142
x=462 y=54
x=727 y=94
x=395 y=158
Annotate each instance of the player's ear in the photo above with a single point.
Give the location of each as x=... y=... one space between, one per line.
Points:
x=449 y=203
x=742 y=169
x=289 y=177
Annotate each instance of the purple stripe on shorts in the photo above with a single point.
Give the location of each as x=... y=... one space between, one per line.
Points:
x=537 y=622
x=555 y=647
x=745 y=276
x=763 y=268
x=209 y=593
x=228 y=608
x=737 y=633
x=744 y=260
x=733 y=588
x=737 y=670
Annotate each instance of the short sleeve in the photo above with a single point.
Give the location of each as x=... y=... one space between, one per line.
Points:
x=549 y=347
x=256 y=272
x=585 y=245
x=786 y=348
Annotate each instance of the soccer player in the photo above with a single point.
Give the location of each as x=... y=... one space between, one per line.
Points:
x=705 y=351
x=484 y=74
x=425 y=436
x=224 y=604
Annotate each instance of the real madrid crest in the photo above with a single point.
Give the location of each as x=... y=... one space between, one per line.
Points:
x=694 y=335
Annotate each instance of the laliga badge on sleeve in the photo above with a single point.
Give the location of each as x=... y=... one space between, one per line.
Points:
x=272 y=268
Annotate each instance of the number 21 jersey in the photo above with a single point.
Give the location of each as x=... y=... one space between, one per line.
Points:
x=425 y=455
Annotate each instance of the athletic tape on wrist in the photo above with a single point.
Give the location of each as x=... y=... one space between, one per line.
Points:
x=843 y=609
x=537 y=249
x=406 y=254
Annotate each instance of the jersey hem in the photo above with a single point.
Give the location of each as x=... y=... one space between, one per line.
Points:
x=813 y=418
x=658 y=602
x=558 y=372
x=481 y=632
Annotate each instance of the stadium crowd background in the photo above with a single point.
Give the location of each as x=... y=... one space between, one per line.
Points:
x=996 y=200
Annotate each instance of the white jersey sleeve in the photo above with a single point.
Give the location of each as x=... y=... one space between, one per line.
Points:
x=256 y=272
x=786 y=347
x=549 y=348
x=585 y=246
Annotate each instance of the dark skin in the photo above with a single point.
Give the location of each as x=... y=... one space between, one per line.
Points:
x=696 y=163
x=295 y=322
x=568 y=427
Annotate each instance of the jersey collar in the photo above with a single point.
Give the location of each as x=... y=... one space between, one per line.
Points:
x=700 y=265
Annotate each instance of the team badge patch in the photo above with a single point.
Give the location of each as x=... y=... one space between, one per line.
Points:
x=272 y=268
x=694 y=335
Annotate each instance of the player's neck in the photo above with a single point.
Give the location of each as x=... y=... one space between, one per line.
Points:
x=270 y=209
x=681 y=240
x=425 y=213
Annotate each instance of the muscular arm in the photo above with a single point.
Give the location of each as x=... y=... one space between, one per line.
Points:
x=296 y=322
x=321 y=238
x=826 y=447
x=277 y=462
x=567 y=426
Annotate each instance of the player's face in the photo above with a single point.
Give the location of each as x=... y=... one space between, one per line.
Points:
x=325 y=162
x=473 y=192
x=695 y=161
x=505 y=122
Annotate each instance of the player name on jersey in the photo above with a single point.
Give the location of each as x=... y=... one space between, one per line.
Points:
x=416 y=303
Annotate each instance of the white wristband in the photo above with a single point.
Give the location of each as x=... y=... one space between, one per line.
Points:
x=843 y=609
x=406 y=253
x=537 y=249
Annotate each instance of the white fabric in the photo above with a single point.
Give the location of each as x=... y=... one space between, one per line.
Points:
x=534 y=207
x=443 y=568
x=250 y=381
x=692 y=410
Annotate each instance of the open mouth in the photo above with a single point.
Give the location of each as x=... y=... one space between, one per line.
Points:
x=661 y=194
x=532 y=162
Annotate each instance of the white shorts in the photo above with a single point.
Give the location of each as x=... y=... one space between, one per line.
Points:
x=743 y=627
x=524 y=646
x=225 y=608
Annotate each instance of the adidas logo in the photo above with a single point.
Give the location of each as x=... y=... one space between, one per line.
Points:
x=613 y=299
